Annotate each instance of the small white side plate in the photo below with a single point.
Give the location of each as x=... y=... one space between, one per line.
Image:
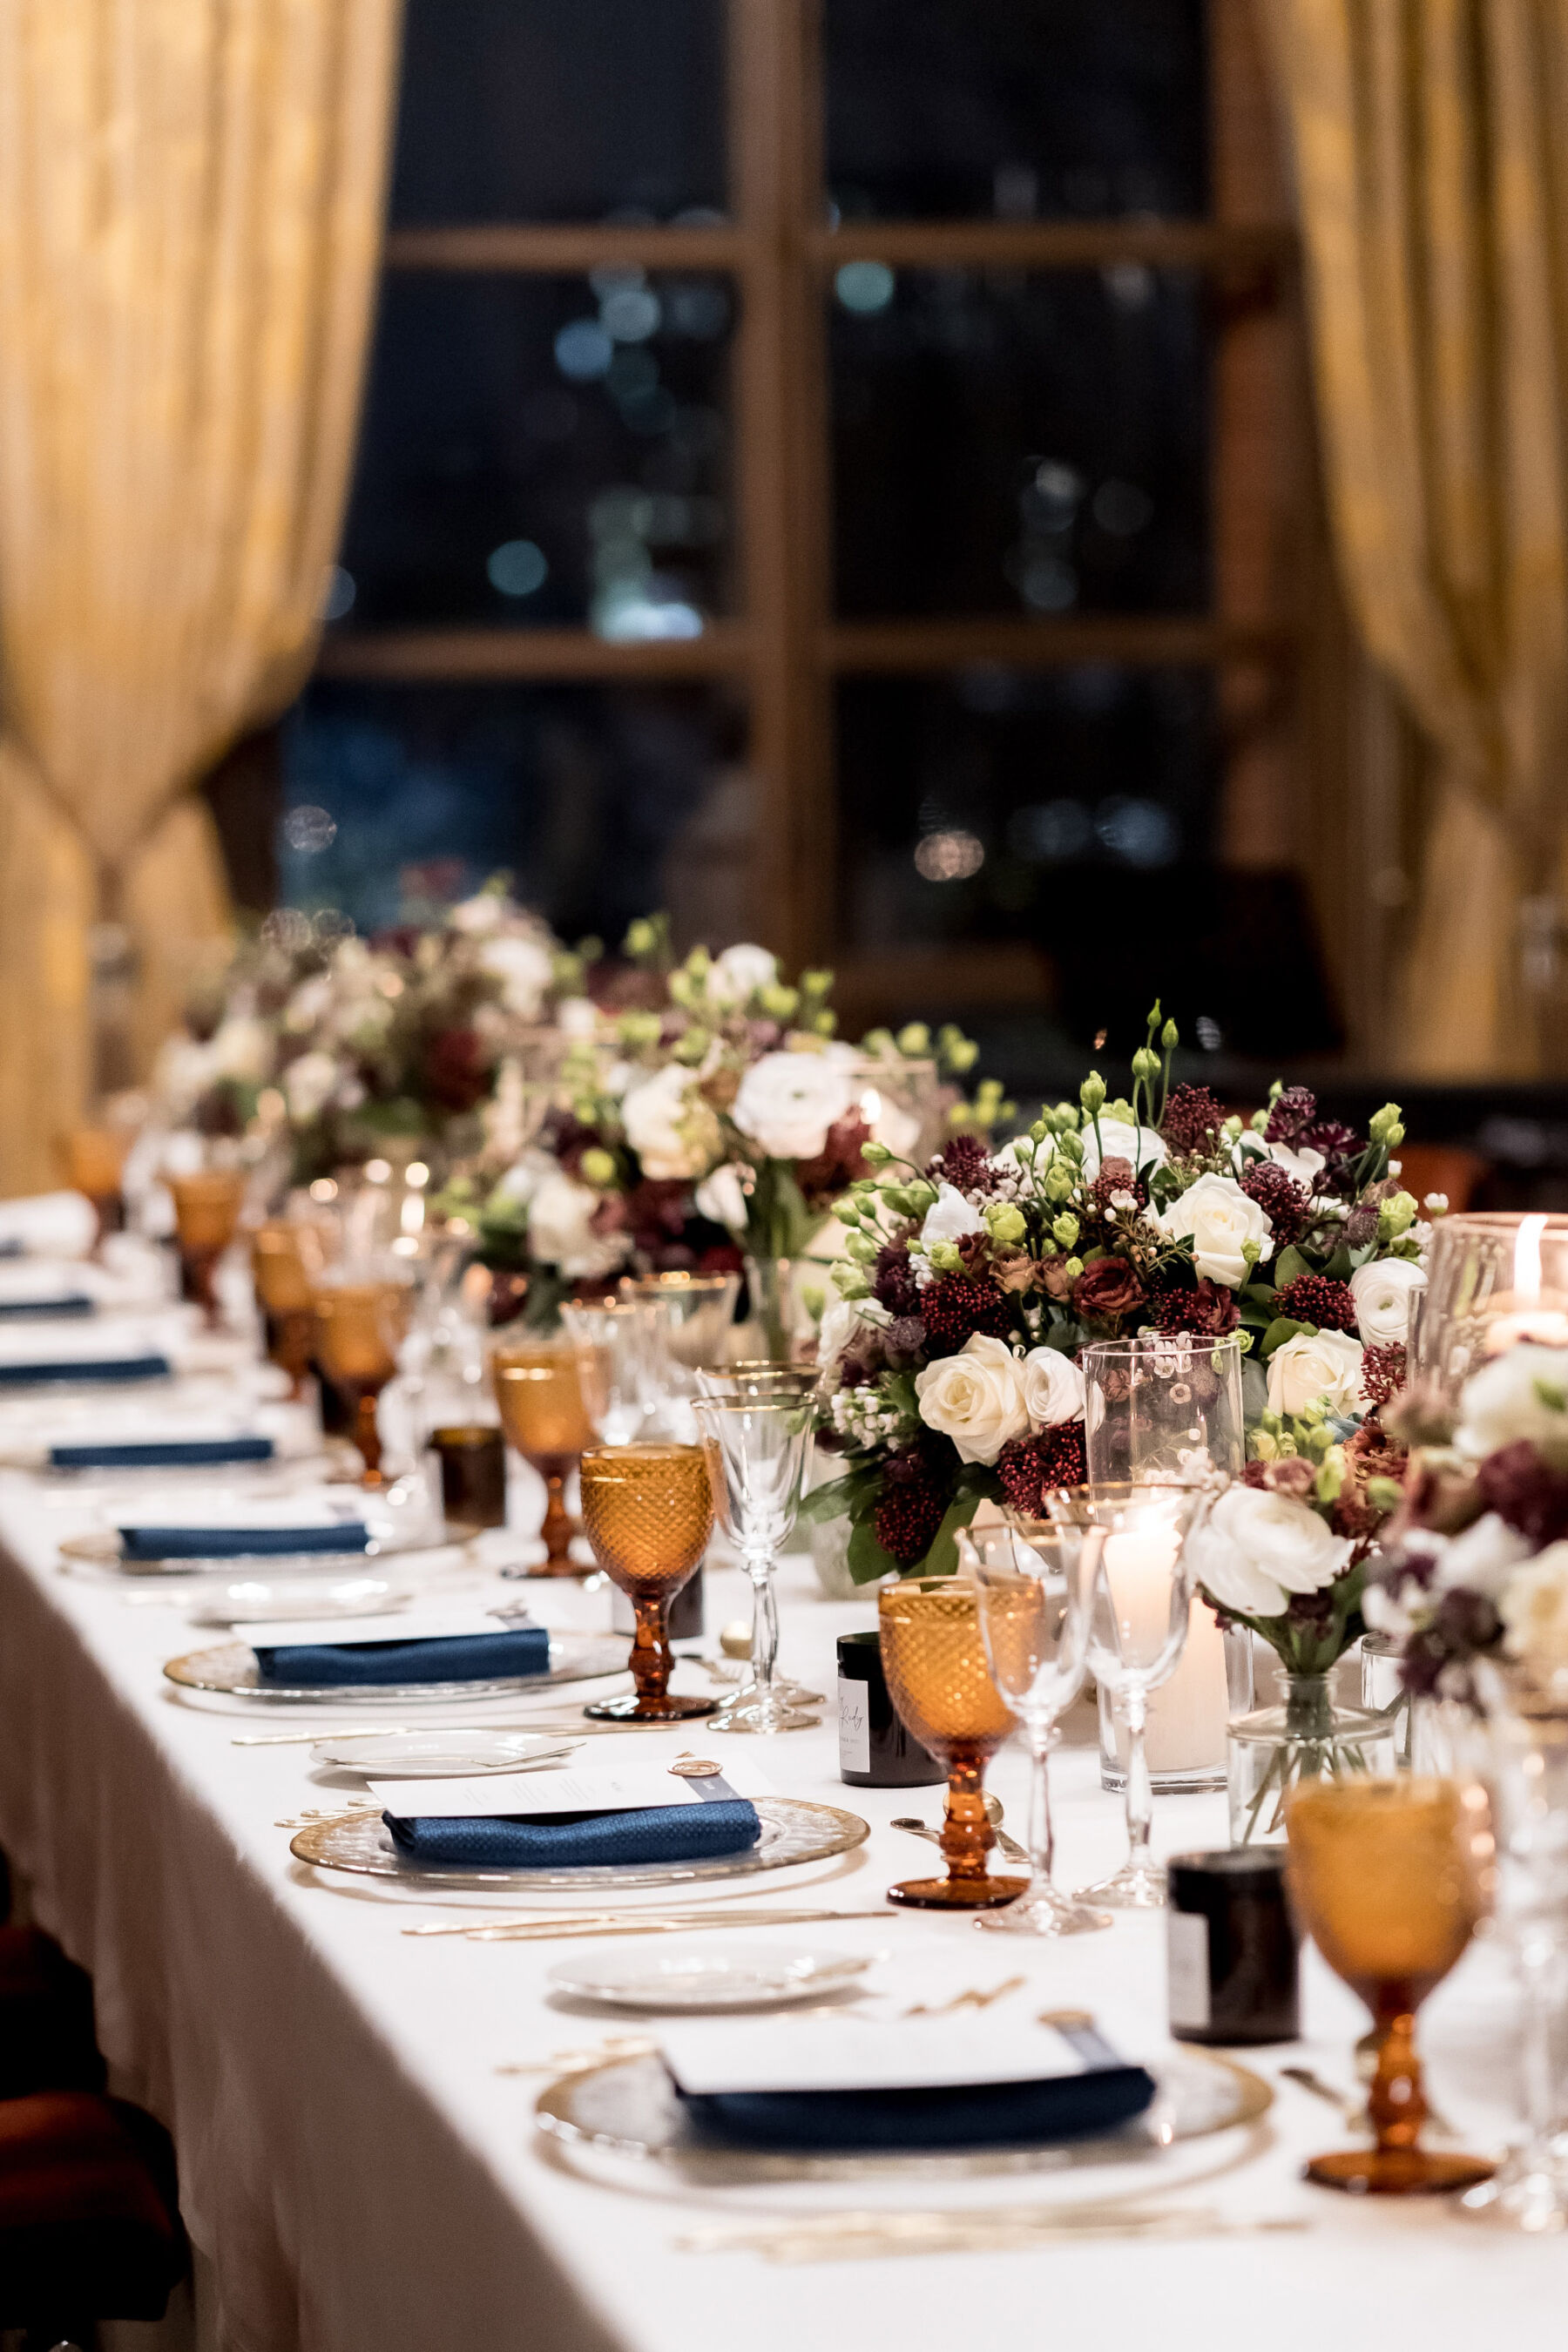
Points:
x=440 y=1755
x=280 y=1600
x=693 y=1977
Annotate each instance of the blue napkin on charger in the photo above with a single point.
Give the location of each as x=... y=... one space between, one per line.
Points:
x=240 y=1543
x=12 y=1246
x=450 y=1658
x=61 y=1369
x=956 y=2114
x=685 y=1833
x=161 y=1454
x=67 y=1302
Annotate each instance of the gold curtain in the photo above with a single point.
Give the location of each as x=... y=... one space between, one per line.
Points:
x=191 y=196
x=1431 y=142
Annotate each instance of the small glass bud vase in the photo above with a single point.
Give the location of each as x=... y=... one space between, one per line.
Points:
x=1307 y=1737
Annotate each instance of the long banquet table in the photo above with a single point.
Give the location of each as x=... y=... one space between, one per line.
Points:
x=359 y=2176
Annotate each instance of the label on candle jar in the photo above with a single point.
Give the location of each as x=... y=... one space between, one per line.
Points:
x=1187 y=1969
x=854 y=1726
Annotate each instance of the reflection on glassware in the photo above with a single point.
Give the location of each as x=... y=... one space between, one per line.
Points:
x=787 y=1295
x=759 y=1452
x=542 y=1411
x=360 y=1326
x=755 y=1376
x=613 y=1342
x=283 y=1257
x=1386 y=1879
x=206 y=1218
x=1139 y=1584
x=689 y=1316
x=934 y=1659
x=648 y=1513
x=94 y=1162
x=1034 y=1621
x=1491 y=1278
x=1164 y=1408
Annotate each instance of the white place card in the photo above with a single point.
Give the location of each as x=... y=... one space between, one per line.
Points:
x=590 y=1787
x=861 y=2053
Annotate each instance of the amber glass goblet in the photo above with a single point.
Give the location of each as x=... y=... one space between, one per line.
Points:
x=543 y=1415
x=206 y=1218
x=1385 y=1878
x=281 y=1270
x=360 y=1326
x=934 y=1659
x=648 y=1513
x=94 y=1160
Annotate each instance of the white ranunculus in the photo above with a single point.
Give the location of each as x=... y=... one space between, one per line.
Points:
x=1053 y=1388
x=524 y=969
x=1383 y=1292
x=671 y=1128
x=1305 y=1167
x=309 y=1085
x=738 y=975
x=1255 y=1549
x=483 y=912
x=842 y=1318
x=1533 y=1606
x=1316 y=1367
x=561 y=1231
x=1218 y=1217
x=722 y=1198
x=242 y=1049
x=950 y=1217
x=1480 y=1560
x=787 y=1102
x=577 y=1017
x=1119 y=1139
x=1523 y=1393
x=976 y=1398
x=524 y=1177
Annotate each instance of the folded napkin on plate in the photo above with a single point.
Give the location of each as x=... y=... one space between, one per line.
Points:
x=160 y=1454
x=456 y=1658
x=683 y=1832
x=18 y=1371
x=47 y=1302
x=231 y=1541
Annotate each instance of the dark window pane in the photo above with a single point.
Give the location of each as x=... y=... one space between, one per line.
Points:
x=588 y=795
x=1016 y=108
x=544 y=449
x=560 y=109
x=1006 y=442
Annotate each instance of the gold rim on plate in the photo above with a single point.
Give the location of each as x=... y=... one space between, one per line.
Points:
x=230 y=1667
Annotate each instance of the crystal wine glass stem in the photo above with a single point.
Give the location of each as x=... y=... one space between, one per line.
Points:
x=1537 y=1967
x=1042 y=1834
x=765 y=1624
x=1140 y=1790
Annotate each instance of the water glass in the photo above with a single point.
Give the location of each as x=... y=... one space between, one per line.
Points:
x=1164 y=1408
x=759 y=1453
x=613 y=1342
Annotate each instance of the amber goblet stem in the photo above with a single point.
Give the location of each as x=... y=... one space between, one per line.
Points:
x=291 y=1343
x=967 y=1836
x=198 y=1268
x=557 y=1528
x=1395 y=2104
x=367 y=1435
x=651 y=1658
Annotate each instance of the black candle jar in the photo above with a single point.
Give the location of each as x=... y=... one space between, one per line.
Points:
x=1232 y=1949
x=874 y=1750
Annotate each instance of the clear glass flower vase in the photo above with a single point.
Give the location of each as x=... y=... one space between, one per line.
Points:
x=1307 y=1737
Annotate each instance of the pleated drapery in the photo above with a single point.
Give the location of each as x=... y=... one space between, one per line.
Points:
x=191 y=199
x=1431 y=142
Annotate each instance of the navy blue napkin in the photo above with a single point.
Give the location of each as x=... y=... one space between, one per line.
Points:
x=161 y=1454
x=959 y=2114
x=566 y=1841
x=66 y=1302
x=240 y=1543
x=12 y=1247
x=460 y=1658
x=61 y=1369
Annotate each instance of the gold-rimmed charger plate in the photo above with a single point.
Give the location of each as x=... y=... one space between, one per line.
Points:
x=626 y=2109
x=231 y=1667
x=794 y=1831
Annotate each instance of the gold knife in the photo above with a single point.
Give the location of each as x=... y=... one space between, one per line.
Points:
x=626 y=1922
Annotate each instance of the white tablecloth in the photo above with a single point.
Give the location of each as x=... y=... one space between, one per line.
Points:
x=360 y=2176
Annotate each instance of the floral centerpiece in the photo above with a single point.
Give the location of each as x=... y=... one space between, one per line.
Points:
x=970 y=1284
x=349 y=1044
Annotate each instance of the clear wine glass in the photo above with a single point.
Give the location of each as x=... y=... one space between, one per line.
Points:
x=613 y=1343
x=759 y=1454
x=1034 y=1622
x=1137 y=1576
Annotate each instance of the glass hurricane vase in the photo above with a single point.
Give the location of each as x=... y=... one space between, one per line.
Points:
x=1307 y=1737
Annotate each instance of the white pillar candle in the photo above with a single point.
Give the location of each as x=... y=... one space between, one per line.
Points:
x=1187 y=1715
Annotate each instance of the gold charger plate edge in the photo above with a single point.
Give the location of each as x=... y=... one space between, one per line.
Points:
x=305 y=1844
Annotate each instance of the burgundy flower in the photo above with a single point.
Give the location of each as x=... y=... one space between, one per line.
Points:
x=1208 y=1308
x=1287 y=1204
x=964 y=1160
x=1383 y=1373
x=1313 y=1298
x=894 y=1282
x=456 y=1070
x=903 y=1337
x=1193 y=1120
x=1341 y=1148
x=1526 y=1492
x=1107 y=1290
x=1116 y=1176
x=1292 y=1112
x=955 y=1307
x=1032 y=1467
x=838 y=1165
x=912 y=1507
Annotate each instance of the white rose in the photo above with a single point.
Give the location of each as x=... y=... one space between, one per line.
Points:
x=950 y=1217
x=1053 y=1388
x=674 y=1132
x=478 y=914
x=1256 y=1547
x=787 y=1102
x=1480 y=1560
x=525 y=971
x=577 y=1017
x=1523 y=1393
x=1218 y=1216
x=1316 y=1367
x=738 y=975
x=722 y=1198
x=1305 y=1167
x=1534 y=1606
x=841 y=1320
x=524 y=1177
x=243 y=1049
x=1382 y=1293
x=308 y=1085
x=976 y=1398
x=561 y=1231
x=1118 y=1140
